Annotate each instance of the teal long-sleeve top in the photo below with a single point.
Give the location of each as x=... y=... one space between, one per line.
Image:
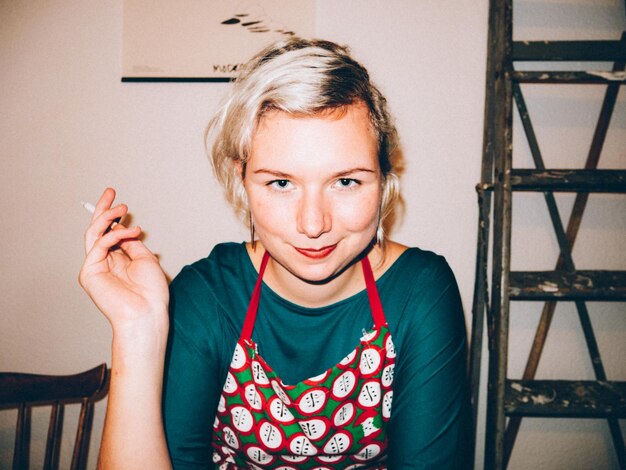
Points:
x=429 y=426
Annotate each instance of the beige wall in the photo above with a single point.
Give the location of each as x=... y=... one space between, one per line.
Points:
x=69 y=128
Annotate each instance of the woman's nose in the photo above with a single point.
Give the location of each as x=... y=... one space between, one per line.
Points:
x=314 y=216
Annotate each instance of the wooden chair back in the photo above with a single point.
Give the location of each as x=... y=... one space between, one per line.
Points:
x=24 y=391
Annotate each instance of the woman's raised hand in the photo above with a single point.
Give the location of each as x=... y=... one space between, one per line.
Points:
x=122 y=277
x=126 y=282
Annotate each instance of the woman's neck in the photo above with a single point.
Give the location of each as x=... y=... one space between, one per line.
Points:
x=343 y=286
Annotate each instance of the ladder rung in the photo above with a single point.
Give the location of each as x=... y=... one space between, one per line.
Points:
x=548 y=76
x=565 y=399
x=598 y=181
x=561 y=285
x=607 y=51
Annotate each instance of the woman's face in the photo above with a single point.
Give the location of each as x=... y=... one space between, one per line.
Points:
x=314 y=189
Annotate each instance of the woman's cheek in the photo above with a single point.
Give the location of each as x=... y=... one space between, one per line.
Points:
x=358 y=215
x=272 y=213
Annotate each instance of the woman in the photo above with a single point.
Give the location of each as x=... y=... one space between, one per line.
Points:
x=287 y=372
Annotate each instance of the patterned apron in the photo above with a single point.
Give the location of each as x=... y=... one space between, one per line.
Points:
x=331 y=421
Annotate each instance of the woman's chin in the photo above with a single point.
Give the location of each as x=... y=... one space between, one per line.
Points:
x=317 y=274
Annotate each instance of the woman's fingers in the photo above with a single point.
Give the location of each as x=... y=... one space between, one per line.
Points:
x=135 y=248
x=104 y=203
x=101 y=224
x=103 y=245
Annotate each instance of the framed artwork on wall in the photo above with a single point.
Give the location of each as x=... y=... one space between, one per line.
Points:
x=204 y=40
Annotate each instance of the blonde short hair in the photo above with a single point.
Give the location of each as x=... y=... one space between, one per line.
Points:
x=304 y=77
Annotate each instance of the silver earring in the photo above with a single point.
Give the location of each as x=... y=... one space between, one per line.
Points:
x=380 y=232
x=251 y=223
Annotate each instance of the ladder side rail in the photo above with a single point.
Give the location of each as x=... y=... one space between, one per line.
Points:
x=480 y=305
x=498 y=342
x=480 y=302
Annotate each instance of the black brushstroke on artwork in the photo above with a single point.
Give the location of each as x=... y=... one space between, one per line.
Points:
x=254 y=25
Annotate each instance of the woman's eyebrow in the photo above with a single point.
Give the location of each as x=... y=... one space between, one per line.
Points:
x=276 y=173
x=352 y=171
x=342 y=173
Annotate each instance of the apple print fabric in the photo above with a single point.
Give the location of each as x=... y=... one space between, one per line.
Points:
x=336 y=420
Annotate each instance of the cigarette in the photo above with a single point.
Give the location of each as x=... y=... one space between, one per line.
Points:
x=91 y=209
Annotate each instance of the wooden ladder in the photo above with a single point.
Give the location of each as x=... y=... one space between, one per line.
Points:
x=515 y=399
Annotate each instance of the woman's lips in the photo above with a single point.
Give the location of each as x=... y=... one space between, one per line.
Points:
x=318 y=253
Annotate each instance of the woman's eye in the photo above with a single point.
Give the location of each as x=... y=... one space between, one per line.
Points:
x=347 y=182
x=280 y=184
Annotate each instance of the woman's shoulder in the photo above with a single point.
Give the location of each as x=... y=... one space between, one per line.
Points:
x=417 y=267
x=414 y=259
x=217 y=286
x=419 y=287
x=226 y=264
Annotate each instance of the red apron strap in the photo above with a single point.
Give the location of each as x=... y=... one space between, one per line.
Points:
x=372 y=293
x=370 y=284
x=253 y=306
